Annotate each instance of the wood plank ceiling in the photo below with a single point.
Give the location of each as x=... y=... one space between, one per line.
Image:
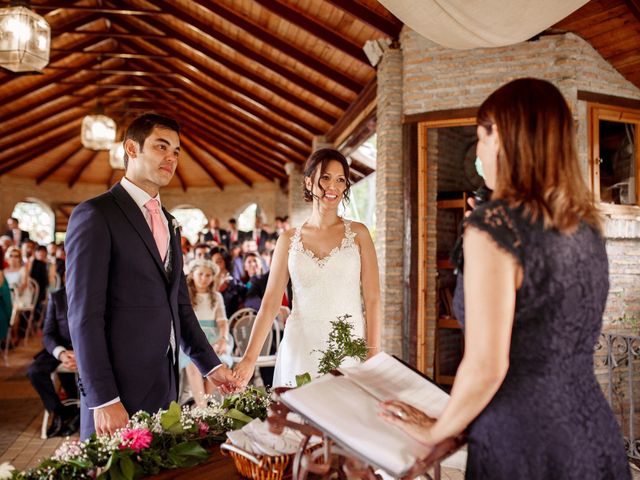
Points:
x=251 y=81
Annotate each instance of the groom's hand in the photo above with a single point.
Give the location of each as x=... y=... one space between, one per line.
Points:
x=110 y=418
x=222 y=378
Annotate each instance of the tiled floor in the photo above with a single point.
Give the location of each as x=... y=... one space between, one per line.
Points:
x=21 y=417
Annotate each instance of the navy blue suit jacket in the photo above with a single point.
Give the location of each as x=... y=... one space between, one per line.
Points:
x=122 y=304
x=56 y=326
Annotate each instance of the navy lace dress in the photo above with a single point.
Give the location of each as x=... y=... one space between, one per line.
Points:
x=549 y=419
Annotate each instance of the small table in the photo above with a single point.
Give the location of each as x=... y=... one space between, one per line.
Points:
x=217 y=467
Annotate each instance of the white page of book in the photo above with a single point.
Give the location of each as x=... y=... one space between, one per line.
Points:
x=386 y=378
x=349 y=415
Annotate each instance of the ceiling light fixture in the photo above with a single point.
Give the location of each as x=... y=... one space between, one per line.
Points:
x=25 y=39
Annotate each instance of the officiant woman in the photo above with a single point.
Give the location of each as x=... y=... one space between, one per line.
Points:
x=535 y=286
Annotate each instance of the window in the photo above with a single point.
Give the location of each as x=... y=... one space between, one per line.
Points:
x=247 y=219
x=37 y=219
x=614 y=153
x=191 y=221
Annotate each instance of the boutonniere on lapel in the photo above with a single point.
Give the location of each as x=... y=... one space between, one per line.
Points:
x=176 y=226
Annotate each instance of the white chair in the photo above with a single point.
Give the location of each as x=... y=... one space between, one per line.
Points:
x=240 y=326
x=66 y=402
x=26 y=304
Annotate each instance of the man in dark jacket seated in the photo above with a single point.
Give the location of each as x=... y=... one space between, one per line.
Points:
x=58 y=350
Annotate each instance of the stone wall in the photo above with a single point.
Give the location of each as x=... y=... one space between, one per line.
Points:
x=435 y=79
x=222 y=204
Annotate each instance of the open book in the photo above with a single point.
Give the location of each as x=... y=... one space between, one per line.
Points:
x=346 y=408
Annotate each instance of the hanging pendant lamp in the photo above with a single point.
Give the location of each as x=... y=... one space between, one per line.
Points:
x=25 y=38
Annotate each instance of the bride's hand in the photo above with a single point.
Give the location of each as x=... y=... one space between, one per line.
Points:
x=243 y=371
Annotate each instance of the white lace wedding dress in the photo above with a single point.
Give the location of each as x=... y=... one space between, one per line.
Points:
x=323 y=289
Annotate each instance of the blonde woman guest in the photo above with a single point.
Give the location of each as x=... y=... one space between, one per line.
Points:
x=208 y=306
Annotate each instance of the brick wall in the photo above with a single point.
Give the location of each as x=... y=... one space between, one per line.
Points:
x=435 y=78
x=390 y=192
x=222 y=204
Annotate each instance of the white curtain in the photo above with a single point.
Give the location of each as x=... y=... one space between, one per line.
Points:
x=466 y=24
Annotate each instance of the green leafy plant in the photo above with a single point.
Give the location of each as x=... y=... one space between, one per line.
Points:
x=168 y=439
x=341 y=345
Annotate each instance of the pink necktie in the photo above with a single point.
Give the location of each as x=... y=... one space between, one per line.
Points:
x=159 y=231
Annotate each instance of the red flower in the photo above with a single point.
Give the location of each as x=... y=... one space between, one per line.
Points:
x=203 y=429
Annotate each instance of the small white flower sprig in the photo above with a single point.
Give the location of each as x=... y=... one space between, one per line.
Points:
x=177 y=437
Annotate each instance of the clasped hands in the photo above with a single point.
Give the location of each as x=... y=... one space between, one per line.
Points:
x=111 y=418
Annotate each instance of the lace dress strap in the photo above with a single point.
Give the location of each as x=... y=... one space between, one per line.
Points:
x=499 y=221
x=349 y=235
x=295 y=243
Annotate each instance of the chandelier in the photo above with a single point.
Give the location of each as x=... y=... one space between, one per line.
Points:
x=25 y=38
x=98 y=132
x=116 y=156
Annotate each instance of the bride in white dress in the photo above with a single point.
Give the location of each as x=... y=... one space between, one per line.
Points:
x=334 y=271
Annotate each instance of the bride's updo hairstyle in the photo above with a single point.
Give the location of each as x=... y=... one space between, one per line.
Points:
x=320 y=159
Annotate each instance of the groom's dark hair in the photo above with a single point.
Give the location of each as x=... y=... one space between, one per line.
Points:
x=142 y=126
x=320 y=158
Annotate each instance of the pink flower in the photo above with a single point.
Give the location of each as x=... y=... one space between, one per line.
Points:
x=135 y=438
x=203 y=429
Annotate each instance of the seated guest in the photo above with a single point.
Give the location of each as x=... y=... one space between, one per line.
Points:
x=252 y=265
x=217 y=235
x=58 y=349
x=232 y=290
x=40 y=271
x=201 y=252
x=15 y=272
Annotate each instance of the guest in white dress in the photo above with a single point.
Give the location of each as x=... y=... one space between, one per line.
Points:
x=208 y=306
x=334 y=271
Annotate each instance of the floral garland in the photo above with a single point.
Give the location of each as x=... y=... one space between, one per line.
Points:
x=150 y=443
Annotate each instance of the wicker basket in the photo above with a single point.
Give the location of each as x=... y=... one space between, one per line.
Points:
x=257 y=467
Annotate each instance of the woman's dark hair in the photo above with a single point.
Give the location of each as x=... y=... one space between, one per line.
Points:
x=142 y=126
x=245 y=277
x=321 y=158
x=1 y=259
x=226 y=258
x=537 y=162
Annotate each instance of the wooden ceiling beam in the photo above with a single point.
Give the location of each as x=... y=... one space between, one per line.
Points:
x=634 y=6
x=109 y=71
x=219 y=152
x=327 y=70
x=371 y=18
x=316 y=28
x=126 y=55
x=200 y=162
x=110 y=11
x=201 y=144
x=43 y=103
x=94 y=33
x=64 y=159
x=201 y=67
x=247 y=124
x=244 y=72
x=15 y=162
x=235 y=150
x=80 y=170
x=205 y=30
x=30 y=148
x=41 y=82
x=230 y=132
x=236 y=145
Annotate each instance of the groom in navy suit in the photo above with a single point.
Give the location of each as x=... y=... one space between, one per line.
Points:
x=129 y=307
